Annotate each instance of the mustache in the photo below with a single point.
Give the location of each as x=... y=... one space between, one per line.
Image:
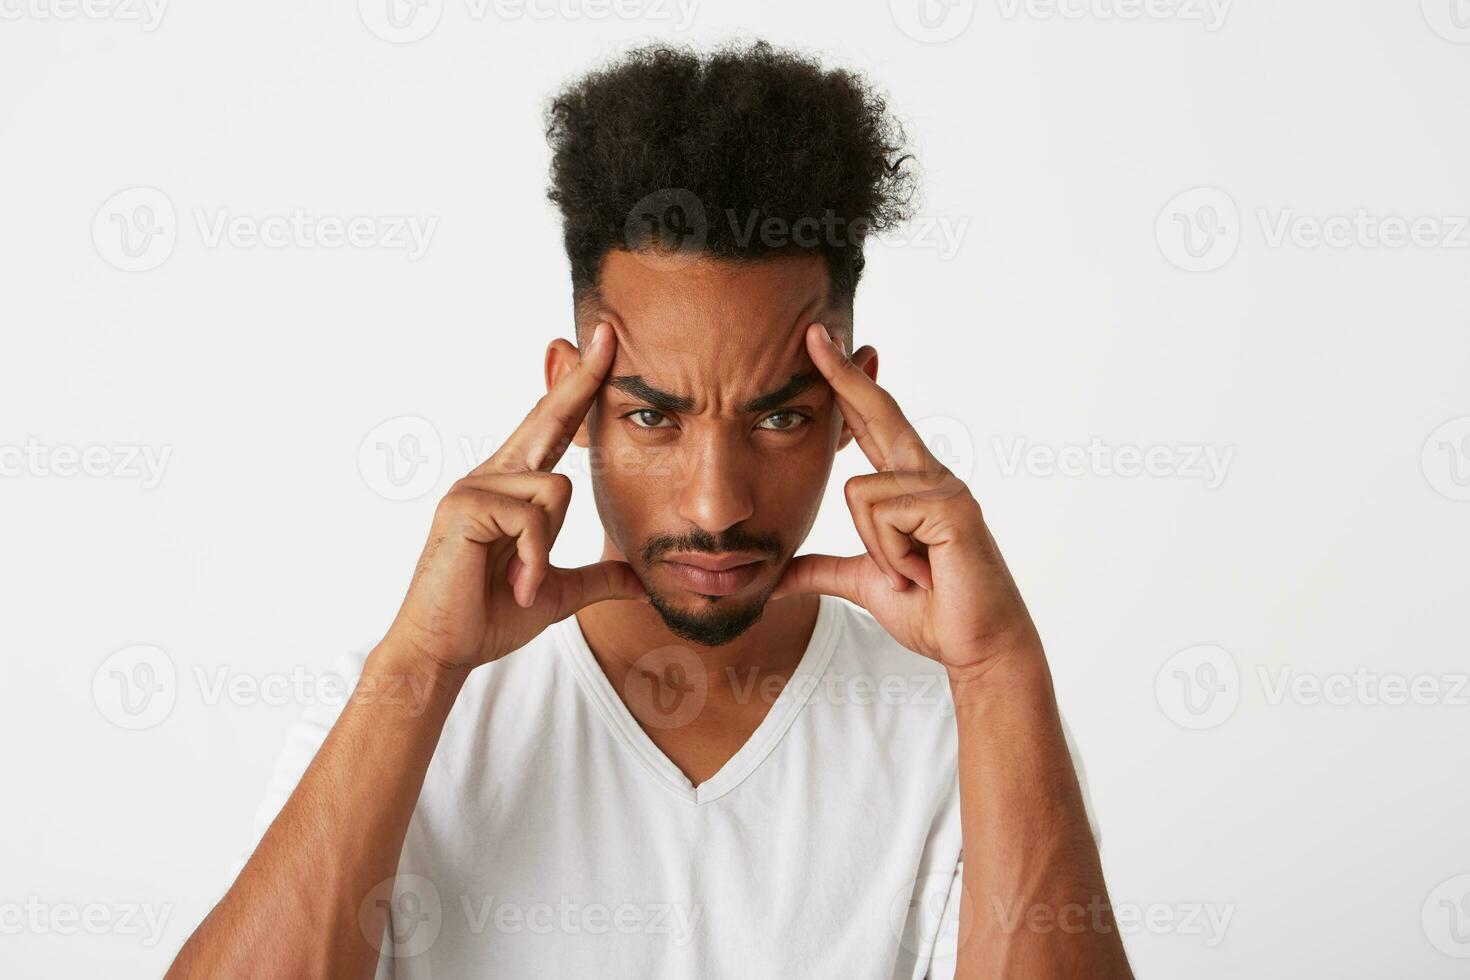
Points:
x=698 y=539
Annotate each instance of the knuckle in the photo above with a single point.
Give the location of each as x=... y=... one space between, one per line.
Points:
x=971 y=506
x=560 y=486
x=464 y=486
x=454 y=501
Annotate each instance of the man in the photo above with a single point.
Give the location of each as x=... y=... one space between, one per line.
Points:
x=703 y=755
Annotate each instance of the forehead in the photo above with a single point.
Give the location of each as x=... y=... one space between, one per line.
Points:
x=697 y=321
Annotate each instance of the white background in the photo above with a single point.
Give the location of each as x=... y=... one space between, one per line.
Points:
x=1331 y=546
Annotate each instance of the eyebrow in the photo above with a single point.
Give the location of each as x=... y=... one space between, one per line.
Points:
x=633 y=384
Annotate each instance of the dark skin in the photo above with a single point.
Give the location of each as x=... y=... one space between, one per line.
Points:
x=718 y=336
x=722 y=335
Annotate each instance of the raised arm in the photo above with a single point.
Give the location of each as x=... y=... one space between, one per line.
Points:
x=1034 y=904
x=303 y=904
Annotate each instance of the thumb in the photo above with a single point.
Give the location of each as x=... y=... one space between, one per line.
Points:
x=824 y=574
x=574 y=588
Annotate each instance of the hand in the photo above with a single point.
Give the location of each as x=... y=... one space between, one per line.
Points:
x=932 y=576
x=485 y=584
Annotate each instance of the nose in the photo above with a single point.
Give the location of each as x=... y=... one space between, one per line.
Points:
x=717 y=494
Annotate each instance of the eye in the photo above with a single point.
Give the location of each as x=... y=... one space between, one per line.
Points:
x=787 y=421
x=639 y=415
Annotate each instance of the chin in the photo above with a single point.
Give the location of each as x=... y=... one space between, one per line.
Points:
x=709 y=621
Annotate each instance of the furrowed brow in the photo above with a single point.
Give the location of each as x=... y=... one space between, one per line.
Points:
x=634 y=385
x=775 y=399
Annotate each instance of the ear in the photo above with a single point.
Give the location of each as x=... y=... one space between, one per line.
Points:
x=866 y=358
x=561 y=357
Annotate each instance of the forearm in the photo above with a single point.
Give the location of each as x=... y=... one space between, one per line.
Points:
x=1035 y=904
x=294 y=909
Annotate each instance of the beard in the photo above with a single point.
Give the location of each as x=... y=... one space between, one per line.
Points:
x=719 y=619
x=716 y=624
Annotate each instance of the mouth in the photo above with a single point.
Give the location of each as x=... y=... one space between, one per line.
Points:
x=714 y=575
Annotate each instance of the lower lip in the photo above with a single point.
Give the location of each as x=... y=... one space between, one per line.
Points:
x=707 y=582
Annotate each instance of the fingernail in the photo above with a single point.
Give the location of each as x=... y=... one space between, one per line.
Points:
x=825 y=335
x=894 y=583
x=599 y=335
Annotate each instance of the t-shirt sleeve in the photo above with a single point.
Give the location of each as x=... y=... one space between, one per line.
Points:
x=942 y=961
x=303 y=739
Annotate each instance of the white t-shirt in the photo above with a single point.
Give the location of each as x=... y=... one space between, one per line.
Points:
x=554 y=839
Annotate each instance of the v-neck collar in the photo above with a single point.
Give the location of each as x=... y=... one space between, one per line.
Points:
x=783 y=711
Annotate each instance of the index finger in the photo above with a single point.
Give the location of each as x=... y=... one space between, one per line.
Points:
x=882 y=431
x=544 y=435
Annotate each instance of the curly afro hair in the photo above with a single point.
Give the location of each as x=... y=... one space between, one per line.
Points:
x=737 y=153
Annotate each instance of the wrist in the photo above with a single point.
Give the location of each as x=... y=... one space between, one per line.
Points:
x=1016 y=670
x=398 y=673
